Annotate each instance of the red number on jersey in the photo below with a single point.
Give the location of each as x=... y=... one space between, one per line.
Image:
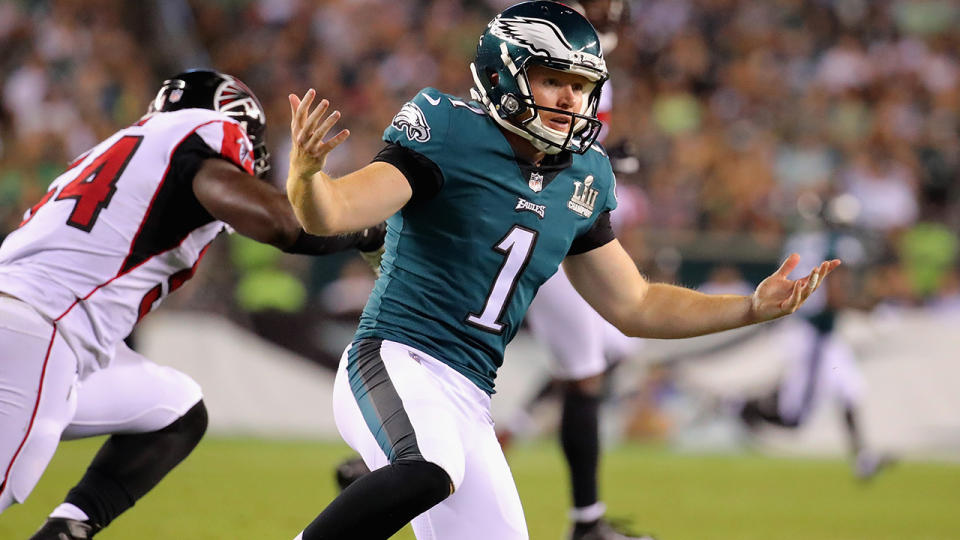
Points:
x=46 y=198
x=94 y=186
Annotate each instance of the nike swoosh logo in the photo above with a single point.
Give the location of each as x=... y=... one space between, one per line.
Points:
x=433 y=101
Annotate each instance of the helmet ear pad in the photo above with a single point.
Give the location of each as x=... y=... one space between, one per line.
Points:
x=516 y=109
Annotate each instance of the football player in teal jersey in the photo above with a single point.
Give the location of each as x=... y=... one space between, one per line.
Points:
x=485 y=199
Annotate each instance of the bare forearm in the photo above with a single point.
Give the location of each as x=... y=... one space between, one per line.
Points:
x=313 y=202
x=322 y=205
x=669 y=312
x=608 y=279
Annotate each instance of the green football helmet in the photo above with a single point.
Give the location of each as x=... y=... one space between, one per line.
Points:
x=548 y=34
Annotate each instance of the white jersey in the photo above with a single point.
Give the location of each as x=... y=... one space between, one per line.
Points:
x=581 y=341
x=120 y=229
x=604 y=109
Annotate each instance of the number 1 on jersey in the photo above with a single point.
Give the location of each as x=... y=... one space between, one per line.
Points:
x=516 y=246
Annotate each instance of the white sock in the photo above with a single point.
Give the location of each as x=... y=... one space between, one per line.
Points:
x=69 y=511
x=589 y=513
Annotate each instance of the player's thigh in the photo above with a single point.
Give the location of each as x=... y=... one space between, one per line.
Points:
x=563 y=321
x=485 y=506
x=383 y=392
x=350 y=422
x=802 y=346
x=131 y=395
x=38 y=372
x=617 y=345
x=840 y=373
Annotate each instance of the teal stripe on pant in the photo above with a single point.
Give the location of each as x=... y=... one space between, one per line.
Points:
x=380 y=403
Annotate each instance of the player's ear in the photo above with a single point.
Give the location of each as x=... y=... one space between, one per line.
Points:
x=494 y=77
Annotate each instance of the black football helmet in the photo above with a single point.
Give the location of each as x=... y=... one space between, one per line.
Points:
x=208 y=89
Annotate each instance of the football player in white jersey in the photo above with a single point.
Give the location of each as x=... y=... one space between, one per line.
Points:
x=123 y=227
x=582 y=344
x=821 y=364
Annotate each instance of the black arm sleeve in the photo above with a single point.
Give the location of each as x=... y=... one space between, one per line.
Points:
x=186 y=160
x=175 y=210
x=600 y=234
x=424 y=176
x=366 y=240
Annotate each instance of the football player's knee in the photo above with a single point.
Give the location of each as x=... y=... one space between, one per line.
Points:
x=25 y=471
x=588 y=387
x=438 y=448
x=190 y=428
x=790 y=422
x=454 y=470
x=451 y=465
x=6 y=500
x=429 y=479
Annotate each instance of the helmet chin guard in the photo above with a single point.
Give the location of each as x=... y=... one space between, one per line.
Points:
x=547 y=34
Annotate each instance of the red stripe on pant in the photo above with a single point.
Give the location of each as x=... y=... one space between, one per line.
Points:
x=33 y=417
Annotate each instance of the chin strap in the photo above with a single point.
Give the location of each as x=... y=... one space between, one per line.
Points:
x=479 y=93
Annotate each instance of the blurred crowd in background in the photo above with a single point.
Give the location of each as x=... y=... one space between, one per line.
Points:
x=745 y=122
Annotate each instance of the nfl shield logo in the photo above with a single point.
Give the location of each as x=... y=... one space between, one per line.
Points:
x=536 y=182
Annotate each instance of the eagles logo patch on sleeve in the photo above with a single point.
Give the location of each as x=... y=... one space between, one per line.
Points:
x=412 y=122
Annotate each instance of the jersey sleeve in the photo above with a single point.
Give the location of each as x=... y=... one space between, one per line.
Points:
x=610 y=193
x=229 y=141
x=601 y=233
x=424 y=176
x=187 y=158
x=422 y=124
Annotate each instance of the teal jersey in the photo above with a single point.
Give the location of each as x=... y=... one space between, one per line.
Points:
x=461 y=267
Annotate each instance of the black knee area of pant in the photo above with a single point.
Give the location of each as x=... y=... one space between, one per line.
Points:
x=192 y=426
x=127 y=466
x=767 y=409
x=580 y=440
x=430 y=480
x=787 y=422
x=380 y=503
x=750 y=413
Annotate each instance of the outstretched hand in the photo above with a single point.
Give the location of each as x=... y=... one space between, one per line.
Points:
x=777 y=295
x=307 y=130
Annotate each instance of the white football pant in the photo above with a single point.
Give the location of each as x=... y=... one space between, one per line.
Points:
x=580 y=340
x=451 y=418
x=810 y=378
x=42 y=400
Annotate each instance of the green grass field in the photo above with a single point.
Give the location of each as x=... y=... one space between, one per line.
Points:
x=240 y=488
